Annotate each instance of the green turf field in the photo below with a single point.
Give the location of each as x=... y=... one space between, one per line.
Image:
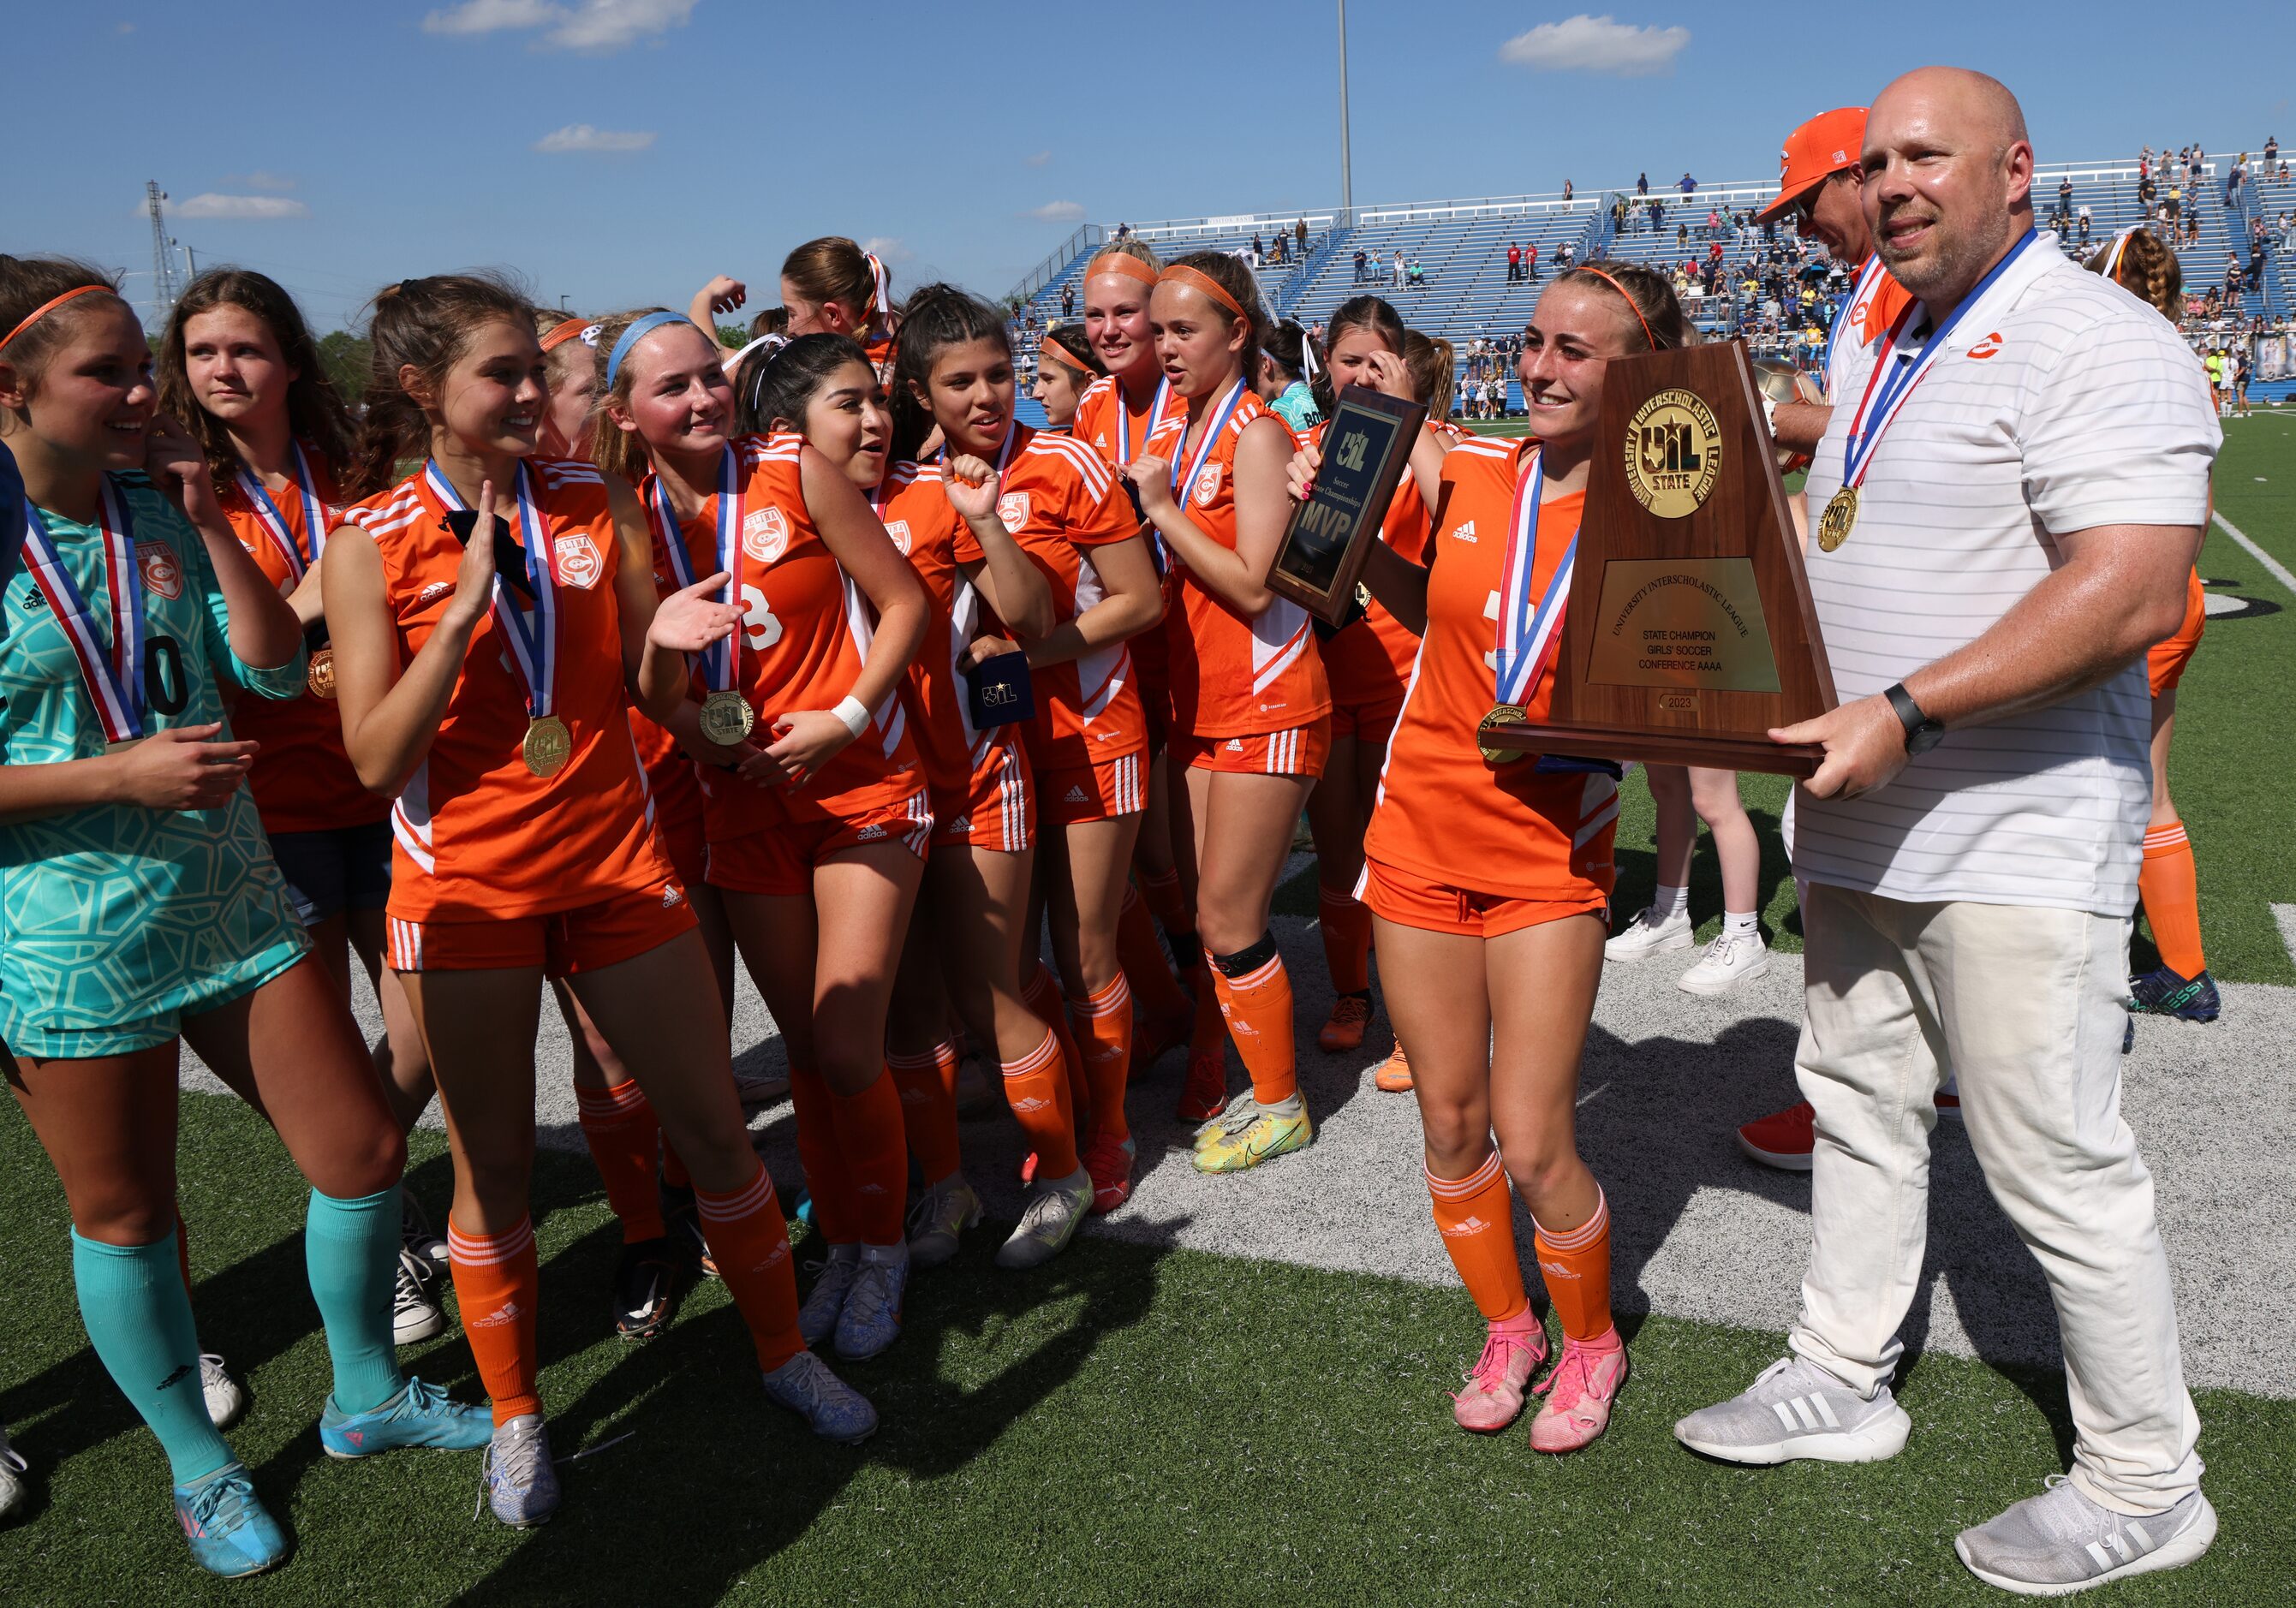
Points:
x=1129 y=1426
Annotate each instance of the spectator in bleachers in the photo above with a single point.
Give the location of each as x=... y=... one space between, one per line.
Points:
x=2271 y=149
x=1566 y=255
x=1067 y=300
x=1400 y=266
x=1257 y=249
x=1689 y=186
x=1642 y=184
x=1418 y=279
x=2176 y=202
x=1515 y=262
x=1566 y=183
x=1299 y=235
x=1531 y=261
x=1360 y=260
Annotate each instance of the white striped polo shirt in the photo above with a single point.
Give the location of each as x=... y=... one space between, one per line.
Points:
x=2063 y=404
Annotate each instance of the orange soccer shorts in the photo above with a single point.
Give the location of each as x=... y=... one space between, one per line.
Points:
x=564 y=942
x=2164 y=665
x=998 y=809
x=1300 y=751
x=1093 y=792
x=683 y=846
x=1371 y=722
x=1408 y=899
x=778 y=860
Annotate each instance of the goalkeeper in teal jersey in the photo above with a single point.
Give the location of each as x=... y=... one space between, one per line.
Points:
x=139 y=905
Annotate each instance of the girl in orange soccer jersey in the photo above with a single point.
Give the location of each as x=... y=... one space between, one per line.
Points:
x=830 y=286
x=490 y=701
x=1066 y=368
x=1488 y=874
x=815 y=812
x=1368 y=661
x=1115 y=418
x=238 y=364
x=1087 y=740
x=570 y=357
x=2168 y=882
x=1250 y=708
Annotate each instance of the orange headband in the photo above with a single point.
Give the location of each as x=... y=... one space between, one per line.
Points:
x=1630 y=300
x=560 y=333
x=1050 y=348
x=1197 y=280
x=50 y=306
x=1117 y=262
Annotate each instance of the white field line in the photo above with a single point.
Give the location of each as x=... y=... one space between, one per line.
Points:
x=2285 y=915
x=2279 y=572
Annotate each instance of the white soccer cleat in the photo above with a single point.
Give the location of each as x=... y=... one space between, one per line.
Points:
x=226 y=1402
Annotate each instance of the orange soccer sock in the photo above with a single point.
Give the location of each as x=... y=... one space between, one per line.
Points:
x=2170 y=888
x=498 y=1287
x=1257 y=1005
x=1143 y=959
x=826 y=1181
x=1041 y=994
x=749 y=1240
x=620 y=1128
x=927 y=1084
x=1103 y=1024
x=673 y=1169
x=869 y=1139
x=1037 y=1089
x=1577 y=1263
x=1476 y=1216
x=1346 y=923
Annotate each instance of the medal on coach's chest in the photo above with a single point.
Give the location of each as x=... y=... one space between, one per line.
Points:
x=726 y=717
x=1529 y=626
x=1834 y=525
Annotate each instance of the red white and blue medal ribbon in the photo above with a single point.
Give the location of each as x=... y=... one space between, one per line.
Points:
x=1897 y=370
x=1157 y=551
x=274 y=523
x=1530 y=629
x=1216 y=422
x=533 y=640
x=113 y=671
x=719 y=658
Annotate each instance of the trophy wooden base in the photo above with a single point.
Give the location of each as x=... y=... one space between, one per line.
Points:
x=1686 y=747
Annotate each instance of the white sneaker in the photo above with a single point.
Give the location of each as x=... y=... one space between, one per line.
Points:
x=13 y=1469
x=1049 y=1222
x=225 y=1401
x=1731 y=959
x=1648 y=933
x=414 y=1312
x=2060 y=1542
x=1796 y=1409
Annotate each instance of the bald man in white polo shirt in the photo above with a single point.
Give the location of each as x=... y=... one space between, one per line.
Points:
x=2013 y=488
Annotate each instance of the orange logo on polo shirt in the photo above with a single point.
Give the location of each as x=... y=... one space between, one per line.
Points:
x=161 y=572
x=1988 y=347
x=578 y=560
x=765 y=535
x=1013 y=511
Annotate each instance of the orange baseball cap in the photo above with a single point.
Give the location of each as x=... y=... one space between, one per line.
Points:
x=1824 y=146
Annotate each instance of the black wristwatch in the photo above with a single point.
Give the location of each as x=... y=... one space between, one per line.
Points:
x=1921 y=733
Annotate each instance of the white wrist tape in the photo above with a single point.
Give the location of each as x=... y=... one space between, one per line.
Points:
x=853 y=712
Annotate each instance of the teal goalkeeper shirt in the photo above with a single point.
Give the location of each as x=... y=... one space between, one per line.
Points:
x=117 y=913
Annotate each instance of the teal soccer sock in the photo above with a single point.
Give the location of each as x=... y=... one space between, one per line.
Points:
x=351 y=1249
x=139 y=1319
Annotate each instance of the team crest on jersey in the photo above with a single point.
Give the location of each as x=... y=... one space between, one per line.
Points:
x=577 y=561
x=898 y=530
x=1013 y=511
x=765 y=535
x=1208 y=485
x=163 y=572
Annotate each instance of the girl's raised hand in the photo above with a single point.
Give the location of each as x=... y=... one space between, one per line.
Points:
x=474 y=579
x=1151 y=477
x=972 y=485
x=691 y=619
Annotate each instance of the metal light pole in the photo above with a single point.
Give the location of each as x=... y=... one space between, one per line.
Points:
x=1347 y=168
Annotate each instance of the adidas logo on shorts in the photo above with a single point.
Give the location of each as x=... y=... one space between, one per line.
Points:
x=1075 y=794
x=869 y=832
x=672 y=895
x=1235 y=745
x=960 y=824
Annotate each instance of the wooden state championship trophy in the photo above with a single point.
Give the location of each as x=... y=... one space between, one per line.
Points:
x=1691 y=631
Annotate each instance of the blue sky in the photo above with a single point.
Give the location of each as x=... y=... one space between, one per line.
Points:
x=618 y=151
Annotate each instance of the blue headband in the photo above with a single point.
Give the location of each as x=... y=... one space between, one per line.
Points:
x=631 y=336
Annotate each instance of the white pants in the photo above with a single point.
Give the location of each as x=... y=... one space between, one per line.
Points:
x=2024 y=1005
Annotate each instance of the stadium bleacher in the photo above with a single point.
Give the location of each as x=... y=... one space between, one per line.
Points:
x=1462 y=247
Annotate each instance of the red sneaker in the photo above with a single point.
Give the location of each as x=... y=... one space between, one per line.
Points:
x=1110 y=1164
x=1205 y=1094
x=1152 y=1040
x=1351 y=1016
x=1782 y=1139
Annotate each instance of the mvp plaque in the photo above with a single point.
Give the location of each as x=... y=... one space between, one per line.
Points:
x=1690 y=632
x=1366 y=453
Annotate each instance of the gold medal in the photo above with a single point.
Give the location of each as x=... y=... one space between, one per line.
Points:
x=726 y=718
x=320 y=678
x=546 y=746
x=1834 y=525
x=1505 y=714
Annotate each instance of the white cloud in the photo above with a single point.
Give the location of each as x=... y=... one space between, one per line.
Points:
x=891 y=250
x=1057 y=212
x=581 y=136
x=1596 y=44
x=212 y=205
x=1039 y=160
x=589 y=25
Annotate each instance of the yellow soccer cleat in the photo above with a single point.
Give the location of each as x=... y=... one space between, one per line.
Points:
x=1249 y=1138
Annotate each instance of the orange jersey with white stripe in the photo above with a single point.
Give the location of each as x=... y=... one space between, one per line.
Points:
x=921 y=524
x=804 y=634
x=1444 y=812
x=1057 y=498
x=1107 y=421
x=302 y=780
x=1231 y=675
x=478 y=834
x=1368 y=662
